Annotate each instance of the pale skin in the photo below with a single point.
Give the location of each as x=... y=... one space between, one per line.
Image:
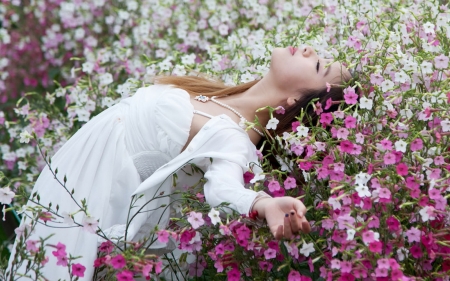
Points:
x=289 y=72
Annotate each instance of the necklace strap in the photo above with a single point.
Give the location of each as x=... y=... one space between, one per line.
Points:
x=243 y=120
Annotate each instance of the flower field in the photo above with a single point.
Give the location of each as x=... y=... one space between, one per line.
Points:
x=374 y=175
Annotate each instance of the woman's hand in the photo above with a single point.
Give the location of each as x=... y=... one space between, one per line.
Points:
x=285 y=216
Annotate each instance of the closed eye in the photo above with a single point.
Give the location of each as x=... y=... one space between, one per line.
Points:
x=317 y=66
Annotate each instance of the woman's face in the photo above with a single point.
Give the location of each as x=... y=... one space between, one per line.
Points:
x=302 y=68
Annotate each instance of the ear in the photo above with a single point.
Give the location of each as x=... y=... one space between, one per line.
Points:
x=291 y=101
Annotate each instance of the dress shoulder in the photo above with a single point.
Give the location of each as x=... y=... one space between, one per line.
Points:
x=173 y=118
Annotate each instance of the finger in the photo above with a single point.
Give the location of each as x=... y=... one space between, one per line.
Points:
x=300 y=208
x=306 y=227
x=295 y=222
x=287 y=227
x=279 y=233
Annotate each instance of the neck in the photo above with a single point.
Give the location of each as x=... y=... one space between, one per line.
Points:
x=258 y=96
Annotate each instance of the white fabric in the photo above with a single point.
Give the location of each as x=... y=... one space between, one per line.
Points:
x=115 y=156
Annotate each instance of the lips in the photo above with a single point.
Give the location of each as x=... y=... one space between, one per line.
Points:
x=292 y=50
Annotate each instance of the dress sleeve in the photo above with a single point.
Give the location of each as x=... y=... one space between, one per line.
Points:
x=226 y=184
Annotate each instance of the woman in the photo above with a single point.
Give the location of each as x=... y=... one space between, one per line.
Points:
x=132 y=148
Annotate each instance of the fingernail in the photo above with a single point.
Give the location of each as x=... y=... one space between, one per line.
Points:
x=286 y=215
x=292 y=213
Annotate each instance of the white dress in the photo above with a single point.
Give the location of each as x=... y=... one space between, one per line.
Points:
x=133 y=148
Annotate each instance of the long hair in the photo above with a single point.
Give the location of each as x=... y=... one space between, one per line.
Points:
x=199 y=85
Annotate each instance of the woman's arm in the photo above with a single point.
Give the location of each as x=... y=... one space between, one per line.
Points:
x=226 y=184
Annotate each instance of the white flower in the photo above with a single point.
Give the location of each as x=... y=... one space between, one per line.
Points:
x=6 y=195
x=335 y=203
x=402 y=253
x=350 y=234
x=445 y=125
x=214 y=216
x=362 y=178
x=90 y=224
x=400 y=146
x=307 y=248
x=272 y=124
x=427 y=213
x=428 y=27
x=427 y=68
x=401 y=77
x=302 y=131
x=365 y=103
x=105 y=79
x=25 y=137
x=87 y=67
x=67 y=218
x=21 y=230
x=363 y=191
x=387 y=85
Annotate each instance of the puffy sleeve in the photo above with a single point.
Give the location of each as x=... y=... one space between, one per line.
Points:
x=226 y=184
x=225 y=175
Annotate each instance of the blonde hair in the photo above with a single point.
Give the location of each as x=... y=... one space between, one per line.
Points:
x=199 y=85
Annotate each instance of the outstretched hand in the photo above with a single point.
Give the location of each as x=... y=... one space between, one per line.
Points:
x=285 y=216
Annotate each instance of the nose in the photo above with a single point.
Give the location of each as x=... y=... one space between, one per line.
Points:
x=308 y=51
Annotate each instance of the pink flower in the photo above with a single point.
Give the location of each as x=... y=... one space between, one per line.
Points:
x=106 y=247
x=270 y=254
x=368 y=236
x=386 y=144
x=393 y=224
x=196 y=220
x=280 y=110
x=346 y=266
x=402 y=169
x=328 y=103
x=243 y=232
x=78 y=269
x=62 y=260
x=90 y=224
x=32 y=245
x=294 y=276
x=346 y=277
x=376 y=247
x=342 y=133
x=389 y=158
x=415 y=251
x=346 y=146
x=125 y=276
x=146 y=269
x=118 y=261
x=383 y=263
x=346 y=221
x=290 y=183
x=416 y=144
x=350 y=96
x=220 y=250
x=384 y=193
x=248 y=176
x=350 y=122
x=163 y=236
x=381 y=272
x=273 y=185
x=441 y=62
x=234 y=275
x=327 y=224
x=265 y=265
x=335 y=264
x=305 y=165
x=326 y=119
